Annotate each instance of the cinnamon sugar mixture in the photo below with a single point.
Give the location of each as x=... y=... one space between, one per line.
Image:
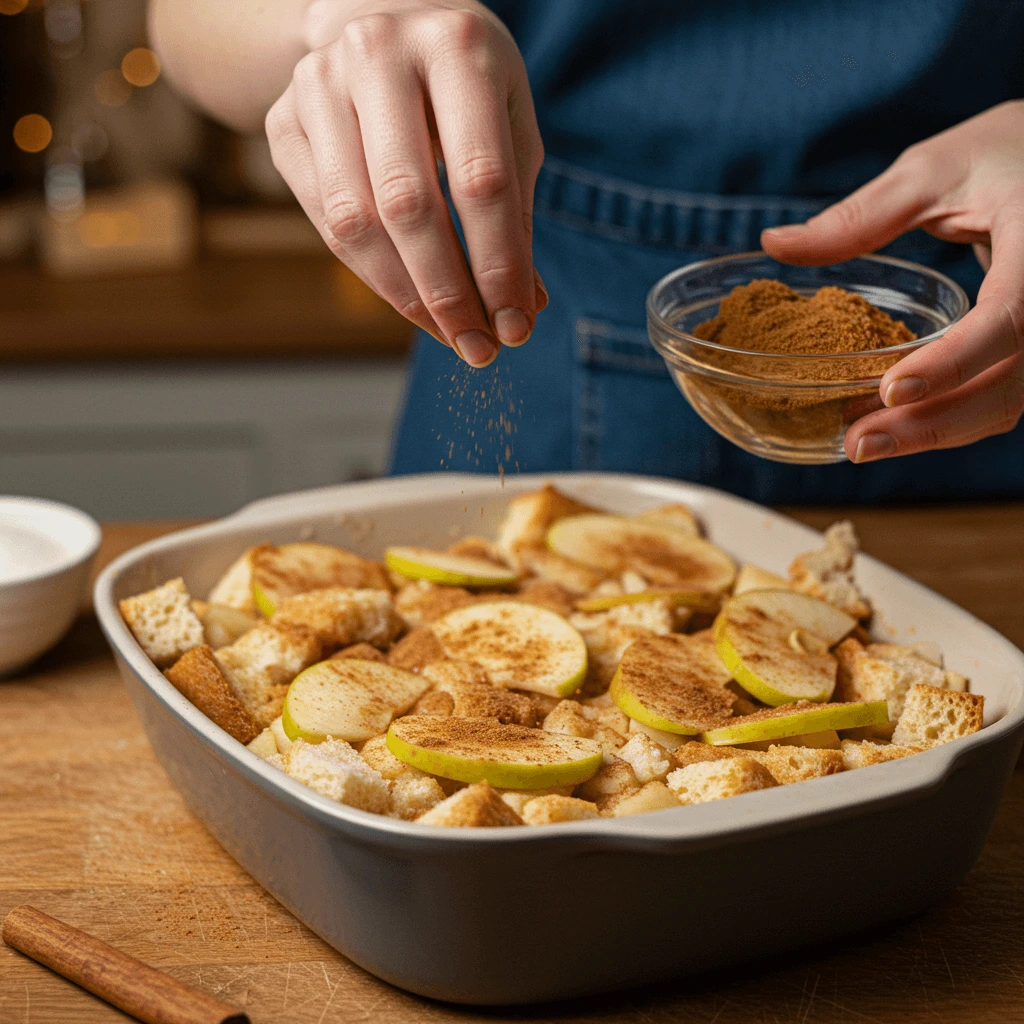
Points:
x=768 y=316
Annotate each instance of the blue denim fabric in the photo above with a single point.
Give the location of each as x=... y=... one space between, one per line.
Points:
x=588 y=391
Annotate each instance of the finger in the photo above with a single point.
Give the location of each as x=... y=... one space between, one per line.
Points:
x=389 y=100
x=529 y=155
x=990 y=403
x=476 y=141
x=865 y=220
x=377 y=265
x=992 y=332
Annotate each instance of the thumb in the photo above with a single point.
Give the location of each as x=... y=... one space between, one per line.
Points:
x=864 y=221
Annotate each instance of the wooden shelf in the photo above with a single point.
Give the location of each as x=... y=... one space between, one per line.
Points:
x=218 y=307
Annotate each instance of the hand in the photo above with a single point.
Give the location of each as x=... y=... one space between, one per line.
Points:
x=963 y=185
x=388 y=88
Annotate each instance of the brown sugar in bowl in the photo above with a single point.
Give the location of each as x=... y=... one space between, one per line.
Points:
x=793 y=406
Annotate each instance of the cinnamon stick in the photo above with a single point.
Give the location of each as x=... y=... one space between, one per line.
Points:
x=121 y=980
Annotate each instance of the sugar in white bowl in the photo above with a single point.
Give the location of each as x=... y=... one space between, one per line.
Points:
x=46 y=554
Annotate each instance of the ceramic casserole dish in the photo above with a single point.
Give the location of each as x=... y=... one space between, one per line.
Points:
x=518 y=915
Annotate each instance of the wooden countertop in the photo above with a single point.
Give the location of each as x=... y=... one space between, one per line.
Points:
x=92 y=831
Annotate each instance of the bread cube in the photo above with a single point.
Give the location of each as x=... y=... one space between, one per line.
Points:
x=234 y=588
x=649 y=760
x=827 y=573
x=517 y=799
x=549 y=810
x=527 y=518
x=569 y=720
x=264 y=745
x=434 y=702
x=696 y=752
x=376 y=754
x=163 y=622
x=607 y=635
x=482 y=700
x=262 y=663
x=478 y=547
x=932 y=716
x=575 y=577
x=336 y=771
x=862 y=753
x=340 y=616
x=447 y=673
x=361 y=651
x=222 y=624
x=655 y=796
x=478 y=806
x=716 y=780
x=416 y=650
x=796 y=764
x=423 y=602
x=752 y=577
x=412 y=796
x=197 y=676
x=547 y=594
x=615 y=779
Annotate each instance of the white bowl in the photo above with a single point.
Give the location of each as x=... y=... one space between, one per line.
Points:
x=46 y=554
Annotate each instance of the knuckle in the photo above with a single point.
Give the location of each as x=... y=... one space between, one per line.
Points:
x=1013 y=310
x=931 y=437
x=348 y=219
x=849 y=215
x=312 y=70
x=411 y=307
x=481 y=178
x=915 y=161
x=279 y=122
x=404 y=201
x=458 y=31
x=369 y=36
x=443 y=303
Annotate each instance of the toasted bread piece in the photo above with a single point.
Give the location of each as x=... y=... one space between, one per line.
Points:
x=568 y=719
x=282 y=572
x=434 y=702
x=704 y=781
x=552 y=809
x=527 y=518
x=261 y=664
x=608 y=634
x=222 y=624
x=264 y=745
x=335 y=770
x=695 y=752
x=197 y=676
x=886 y=672
x=547 y=594
x=450 y=672
x=571 y=718
x=862 y=753
x=615 y=779
x=650 y=761
x=574 y=577
x=827 y=573
x=416 y=650
x=163 y=622
x=655 y=796
x=413 y=797
x=340 y=616
x=376 y=754
x=752 y=577
x=423 y=602
x=478 y=806
x=234 y=588
x=795 y=764
x=474 y=699
x=361 y=651
x=517 y=799
x=478 y=547
x=932 y=716
x=679 y=517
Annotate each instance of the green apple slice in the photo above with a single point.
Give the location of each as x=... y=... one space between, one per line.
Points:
x=673 y=683
x=676 y=598
x=451 y=570
x=485 y=750
x=775 y=643
x=797 y=720
x=348 y=699
x=664 y=556
x=518 y=645
x=280 y=572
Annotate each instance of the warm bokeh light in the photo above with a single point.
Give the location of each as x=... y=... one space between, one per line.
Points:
x=12 y=6
x=111 y=89
x=32 y=133
x=140 y=66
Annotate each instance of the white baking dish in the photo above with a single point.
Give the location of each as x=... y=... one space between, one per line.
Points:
x=518 y=915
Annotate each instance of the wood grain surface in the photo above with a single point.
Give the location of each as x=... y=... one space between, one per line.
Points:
x=91 y=831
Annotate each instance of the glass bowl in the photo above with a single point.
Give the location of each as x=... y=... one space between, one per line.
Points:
x=791 y=408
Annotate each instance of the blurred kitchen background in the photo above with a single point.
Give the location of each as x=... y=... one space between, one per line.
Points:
x=175 y=338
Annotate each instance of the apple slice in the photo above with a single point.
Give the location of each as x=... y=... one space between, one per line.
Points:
x=797 y=719
x=672 y=683
x=280 y=572
x=753 y=577
x=664 y=556
x=348 y=699
x=775 y=643
x=451 y=570
x=676 y=598
x=485 y=750
x=518 y=645
x=675 y=517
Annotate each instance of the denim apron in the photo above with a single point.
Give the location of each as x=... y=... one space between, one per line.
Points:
x=622 y=200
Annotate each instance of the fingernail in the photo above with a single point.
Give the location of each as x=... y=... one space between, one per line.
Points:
x=542 y=298
x=477 y=348
x=512 y=326
x=905 y=390
x=874 y=446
